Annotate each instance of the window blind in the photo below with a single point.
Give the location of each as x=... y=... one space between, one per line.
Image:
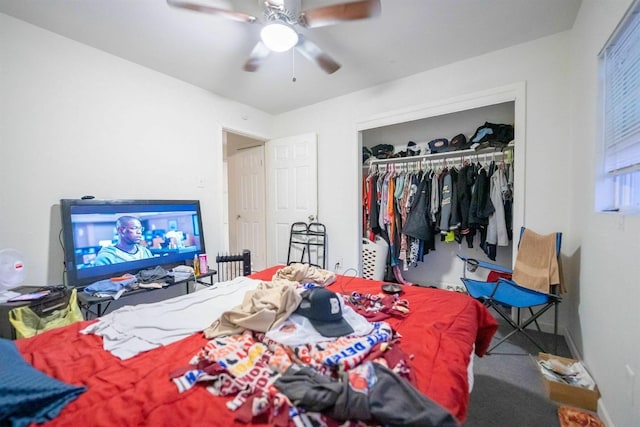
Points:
x=622 y=98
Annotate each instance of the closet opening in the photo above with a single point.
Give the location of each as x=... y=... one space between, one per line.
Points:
x=411 y=162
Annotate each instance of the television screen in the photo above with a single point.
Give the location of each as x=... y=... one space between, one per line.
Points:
x=108 y=238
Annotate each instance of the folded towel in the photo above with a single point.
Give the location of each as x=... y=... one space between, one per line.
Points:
x=537 y=264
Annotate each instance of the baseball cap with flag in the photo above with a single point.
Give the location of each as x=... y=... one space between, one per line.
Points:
x=324 y=310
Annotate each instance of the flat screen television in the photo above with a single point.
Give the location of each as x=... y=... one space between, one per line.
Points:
x=108 y=238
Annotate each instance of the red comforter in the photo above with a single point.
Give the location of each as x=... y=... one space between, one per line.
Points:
x=439 y=332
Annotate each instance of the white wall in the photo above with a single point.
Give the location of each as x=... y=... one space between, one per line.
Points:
x=603 y=248
x=77 y=121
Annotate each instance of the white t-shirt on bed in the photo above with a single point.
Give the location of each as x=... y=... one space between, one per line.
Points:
x=297 y=329
x=130 y=330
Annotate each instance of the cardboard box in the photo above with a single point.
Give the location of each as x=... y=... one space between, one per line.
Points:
x=569 y=394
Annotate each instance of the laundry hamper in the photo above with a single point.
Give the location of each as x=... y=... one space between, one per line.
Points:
x=374 y=258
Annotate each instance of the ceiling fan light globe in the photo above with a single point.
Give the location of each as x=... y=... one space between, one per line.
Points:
x=278 y=36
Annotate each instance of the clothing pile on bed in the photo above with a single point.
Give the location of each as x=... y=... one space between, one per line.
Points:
x=293 y=352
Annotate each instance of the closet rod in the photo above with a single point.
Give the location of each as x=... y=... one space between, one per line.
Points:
x=448 y=154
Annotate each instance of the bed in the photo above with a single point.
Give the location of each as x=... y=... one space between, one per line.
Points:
x=440 y=334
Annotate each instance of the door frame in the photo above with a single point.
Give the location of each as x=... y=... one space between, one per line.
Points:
x=258 y=140
x=515 y=93
x=269 y=256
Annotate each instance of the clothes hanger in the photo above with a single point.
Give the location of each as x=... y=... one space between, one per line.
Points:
x=445 y=165
x=372 y=168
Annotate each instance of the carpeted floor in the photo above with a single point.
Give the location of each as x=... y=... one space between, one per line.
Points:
x=508 y=389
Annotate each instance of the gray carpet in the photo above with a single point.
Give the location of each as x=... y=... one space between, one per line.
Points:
x=508 y=389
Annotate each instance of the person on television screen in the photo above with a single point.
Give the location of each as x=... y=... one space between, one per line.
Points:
x=128 y=248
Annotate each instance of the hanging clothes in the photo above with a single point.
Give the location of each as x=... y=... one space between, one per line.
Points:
x=418 y=224
x=445 y=202
x=497 y=228
x=366 y=206
x=466 y=181
x=435 y=196
x=480 y=207
x=371 y=205
x=397 y=209
x=375 y=207
x=410 y=253
x=383 y=185
x=390 y=218
x=408 y=207
x=507 y=197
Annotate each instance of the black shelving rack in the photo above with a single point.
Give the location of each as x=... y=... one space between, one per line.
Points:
x=308 y=244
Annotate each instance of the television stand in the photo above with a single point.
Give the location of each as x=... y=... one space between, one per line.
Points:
x=94 y=306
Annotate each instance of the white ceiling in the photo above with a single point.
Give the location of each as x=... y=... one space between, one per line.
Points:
x=209 y=51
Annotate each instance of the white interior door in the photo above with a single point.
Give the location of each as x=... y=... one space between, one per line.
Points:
x=292 y=190
x=247 y=198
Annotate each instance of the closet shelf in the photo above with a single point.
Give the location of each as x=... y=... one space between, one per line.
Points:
x=448 y=154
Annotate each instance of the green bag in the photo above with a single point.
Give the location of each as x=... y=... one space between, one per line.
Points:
x=29 y=322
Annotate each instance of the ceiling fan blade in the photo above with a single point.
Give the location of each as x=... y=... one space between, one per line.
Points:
x=312 y=52
x=329 y=15
x=256 y=57
x=229 y=14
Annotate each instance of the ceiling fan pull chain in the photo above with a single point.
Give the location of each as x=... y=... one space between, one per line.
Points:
x=293 y=65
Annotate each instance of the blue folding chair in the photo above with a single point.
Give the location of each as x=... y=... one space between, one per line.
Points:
x=505 y=293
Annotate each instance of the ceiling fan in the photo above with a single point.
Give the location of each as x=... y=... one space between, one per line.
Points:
x=279 y=23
